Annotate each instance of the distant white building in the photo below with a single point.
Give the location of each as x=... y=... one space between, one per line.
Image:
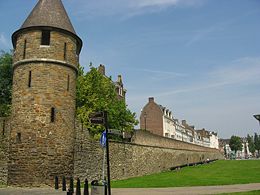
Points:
x=168 y=123
x=214 y=143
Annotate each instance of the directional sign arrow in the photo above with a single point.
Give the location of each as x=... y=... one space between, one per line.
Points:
x=97 y=120
x=115 y=132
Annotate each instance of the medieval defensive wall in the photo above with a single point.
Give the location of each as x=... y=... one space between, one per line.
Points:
x=145 y=154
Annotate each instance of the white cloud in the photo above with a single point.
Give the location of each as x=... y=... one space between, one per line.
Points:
x=244 y=71
x=206 y=32
x=167 y=3
x=162 y=75
x=126 y=8
x=4 y=43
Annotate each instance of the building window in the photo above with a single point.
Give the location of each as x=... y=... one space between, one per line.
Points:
x=65 y=51
x=68 y=83
x=24 y=49
x=46 y=35
x=30 y=79
x=120 y=91
x=52 y=114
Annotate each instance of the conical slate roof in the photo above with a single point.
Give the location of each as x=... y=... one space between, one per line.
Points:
x=49 y=13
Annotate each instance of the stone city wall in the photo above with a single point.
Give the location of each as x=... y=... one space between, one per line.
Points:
x=135 y=159
x=146 y=154
x=4 y=137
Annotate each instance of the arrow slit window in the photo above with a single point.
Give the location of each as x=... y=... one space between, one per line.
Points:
x=52 y=114
x=24 y=49
x=65 y=51
x=30 y=79
x=4 y=127
x=68 y=83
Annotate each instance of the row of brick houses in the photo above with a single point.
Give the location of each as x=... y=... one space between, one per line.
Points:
x=159 y=120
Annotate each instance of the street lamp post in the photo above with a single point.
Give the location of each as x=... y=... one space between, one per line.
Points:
x=145 y=115
x=257 y=117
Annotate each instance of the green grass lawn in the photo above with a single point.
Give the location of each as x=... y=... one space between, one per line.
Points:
x=217 y=173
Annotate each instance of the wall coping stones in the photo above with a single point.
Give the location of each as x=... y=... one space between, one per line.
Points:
x=162 y=147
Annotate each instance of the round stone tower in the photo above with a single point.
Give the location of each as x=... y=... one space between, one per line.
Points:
x=46 y=52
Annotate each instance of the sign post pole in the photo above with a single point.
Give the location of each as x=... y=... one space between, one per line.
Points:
x=101 y=118
x=107 y=149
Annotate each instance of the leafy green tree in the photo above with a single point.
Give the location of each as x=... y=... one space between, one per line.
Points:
x=257 y=142
x=6 y=76
x=235 y=143
x=95 y=92
x=251 y=144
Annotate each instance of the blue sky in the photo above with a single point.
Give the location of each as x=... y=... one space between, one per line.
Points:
x=199 y=58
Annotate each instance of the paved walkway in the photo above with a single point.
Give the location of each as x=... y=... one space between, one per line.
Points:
x=143 y=191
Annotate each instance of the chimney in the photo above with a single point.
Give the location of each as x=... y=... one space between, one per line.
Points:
x=151 y=99
x=119 y=79
x=183 y=122
x=102 y=69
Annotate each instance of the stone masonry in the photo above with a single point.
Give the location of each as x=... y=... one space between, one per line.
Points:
x=146 y=154
x=4 y=140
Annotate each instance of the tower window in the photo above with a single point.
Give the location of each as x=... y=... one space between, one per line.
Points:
x=46 y=35
x=30 y=79
x=65 y=51
x=24 y=49
x=68 y=83
x=52 y=114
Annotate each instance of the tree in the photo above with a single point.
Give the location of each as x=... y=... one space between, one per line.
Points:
x=95 y=92
x=235 y=143
x=251 y=144
x=257 y=142
x=6 y=76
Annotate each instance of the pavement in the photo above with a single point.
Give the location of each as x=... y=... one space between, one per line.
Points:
x=198 y=190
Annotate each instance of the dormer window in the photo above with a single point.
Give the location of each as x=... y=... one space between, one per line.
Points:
x=46 y=35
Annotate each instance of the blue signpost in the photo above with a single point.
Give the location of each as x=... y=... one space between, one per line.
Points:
x=103 y=139
x=101 y=118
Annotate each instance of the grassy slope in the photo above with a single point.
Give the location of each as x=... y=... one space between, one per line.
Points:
x=217 y=173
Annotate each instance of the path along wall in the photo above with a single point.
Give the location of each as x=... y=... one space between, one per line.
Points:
x=4 y=138
x=146 y=154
